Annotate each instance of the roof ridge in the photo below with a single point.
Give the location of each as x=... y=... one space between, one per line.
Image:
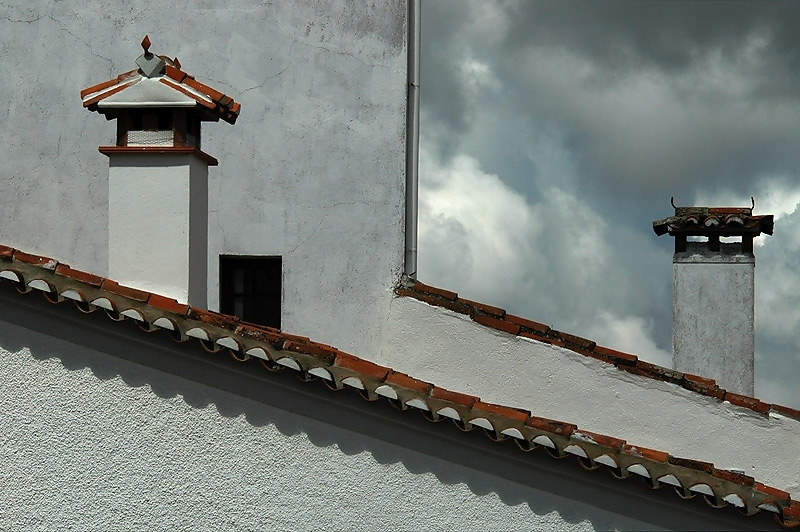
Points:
x=275 y=349
x=498 y=319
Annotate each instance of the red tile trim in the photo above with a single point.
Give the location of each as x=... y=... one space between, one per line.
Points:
x=454 y=397
x=104 y=85
x=600 y=439
x=447 y=294
x=455 y=306
x=216 y=319
x=550 y=425
x=705 y=467
x=405 y=381
x=528 y=325
x=494 y=323
x=124 y=291
x=36 y=260
x=359 y=365
x=168 y=304
x=732 y=476
x=187 y=92
x=577 y=341
x=478 y=307
x=779 y=496
x=6 y=253
x=323 y=352
x=786 y=411
x=644 y=452
x=517 y=414
x=614 y=356
x=91 y=102
x=78 y=275
x=791 y=515
x=258 y=333
x=748 y=402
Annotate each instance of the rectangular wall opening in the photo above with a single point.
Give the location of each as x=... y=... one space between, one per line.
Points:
x=250 y=288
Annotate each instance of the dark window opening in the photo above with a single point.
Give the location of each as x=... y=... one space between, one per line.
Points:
x=250 y=288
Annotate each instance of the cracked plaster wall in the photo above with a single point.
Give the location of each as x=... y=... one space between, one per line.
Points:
x=313 y=170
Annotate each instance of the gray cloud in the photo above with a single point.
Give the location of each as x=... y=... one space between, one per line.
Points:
x=589 y=116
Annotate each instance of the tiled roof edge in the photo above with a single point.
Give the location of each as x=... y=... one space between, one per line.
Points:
x=275 y=349
x=220 y=104
x=498 y=319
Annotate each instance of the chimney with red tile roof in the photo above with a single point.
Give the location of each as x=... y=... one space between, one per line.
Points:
x=158 y=175
x=714 y=292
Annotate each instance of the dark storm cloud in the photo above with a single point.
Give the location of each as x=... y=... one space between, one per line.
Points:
x=553 y=133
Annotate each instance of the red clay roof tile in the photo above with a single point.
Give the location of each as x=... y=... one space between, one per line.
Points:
x=551 y=425
x=706 y=467
x=360 y=365
x=494 y=323
x=168 y=304
x=517 y=414
x=527 y=324
x=405 y=381
x=748 y=402
x=78 y=275
x=216 y=319
x=644 y=452
x=454 y=397
x=124 y=291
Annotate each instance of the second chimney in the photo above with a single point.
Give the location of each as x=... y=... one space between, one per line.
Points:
x=713 y=293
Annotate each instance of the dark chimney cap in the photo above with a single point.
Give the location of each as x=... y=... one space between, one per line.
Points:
x=715 y=221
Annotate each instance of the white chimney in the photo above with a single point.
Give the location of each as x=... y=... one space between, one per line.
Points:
x=158 y=175
x=713 y=292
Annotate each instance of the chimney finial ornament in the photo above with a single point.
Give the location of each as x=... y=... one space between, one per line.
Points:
x=146 y=45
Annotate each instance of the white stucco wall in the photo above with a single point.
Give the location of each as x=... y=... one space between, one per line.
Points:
x=91 y=442
x=713 y=331
x=313 y=170
x=158 y=224
x=452 y=351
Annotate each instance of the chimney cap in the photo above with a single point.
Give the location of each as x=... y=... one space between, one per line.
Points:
x=715 y=221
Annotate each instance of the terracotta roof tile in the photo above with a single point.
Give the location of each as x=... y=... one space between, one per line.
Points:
x=78 y=275
x=517 y=414
x=168 y=304
x=483 y=307
x=691 y=464
x=219 y=105
x=453 y=397
x=644 y=452
x=748 y=402
x=550 y=425
x=216 y=319
x=495 y=323
x=276 y=350
x=359 y=365
x=125 y=291
x=527 y=325
x=6 y=253
x=405 y=381
x=733 y=476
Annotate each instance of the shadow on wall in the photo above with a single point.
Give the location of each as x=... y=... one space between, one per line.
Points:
x=340 y=424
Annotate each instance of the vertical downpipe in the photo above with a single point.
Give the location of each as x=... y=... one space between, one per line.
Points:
x=412 y=140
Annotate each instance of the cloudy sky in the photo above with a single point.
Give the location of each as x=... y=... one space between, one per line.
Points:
x=554 y=133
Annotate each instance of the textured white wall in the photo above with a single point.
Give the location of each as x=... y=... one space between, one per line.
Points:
x=313 y=169
x=713 y=332
x=154 y=241
x=452 y=351
x=91 y=442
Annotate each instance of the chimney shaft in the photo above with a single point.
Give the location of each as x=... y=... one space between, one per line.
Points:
x=158 y=176
x=714 y=292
